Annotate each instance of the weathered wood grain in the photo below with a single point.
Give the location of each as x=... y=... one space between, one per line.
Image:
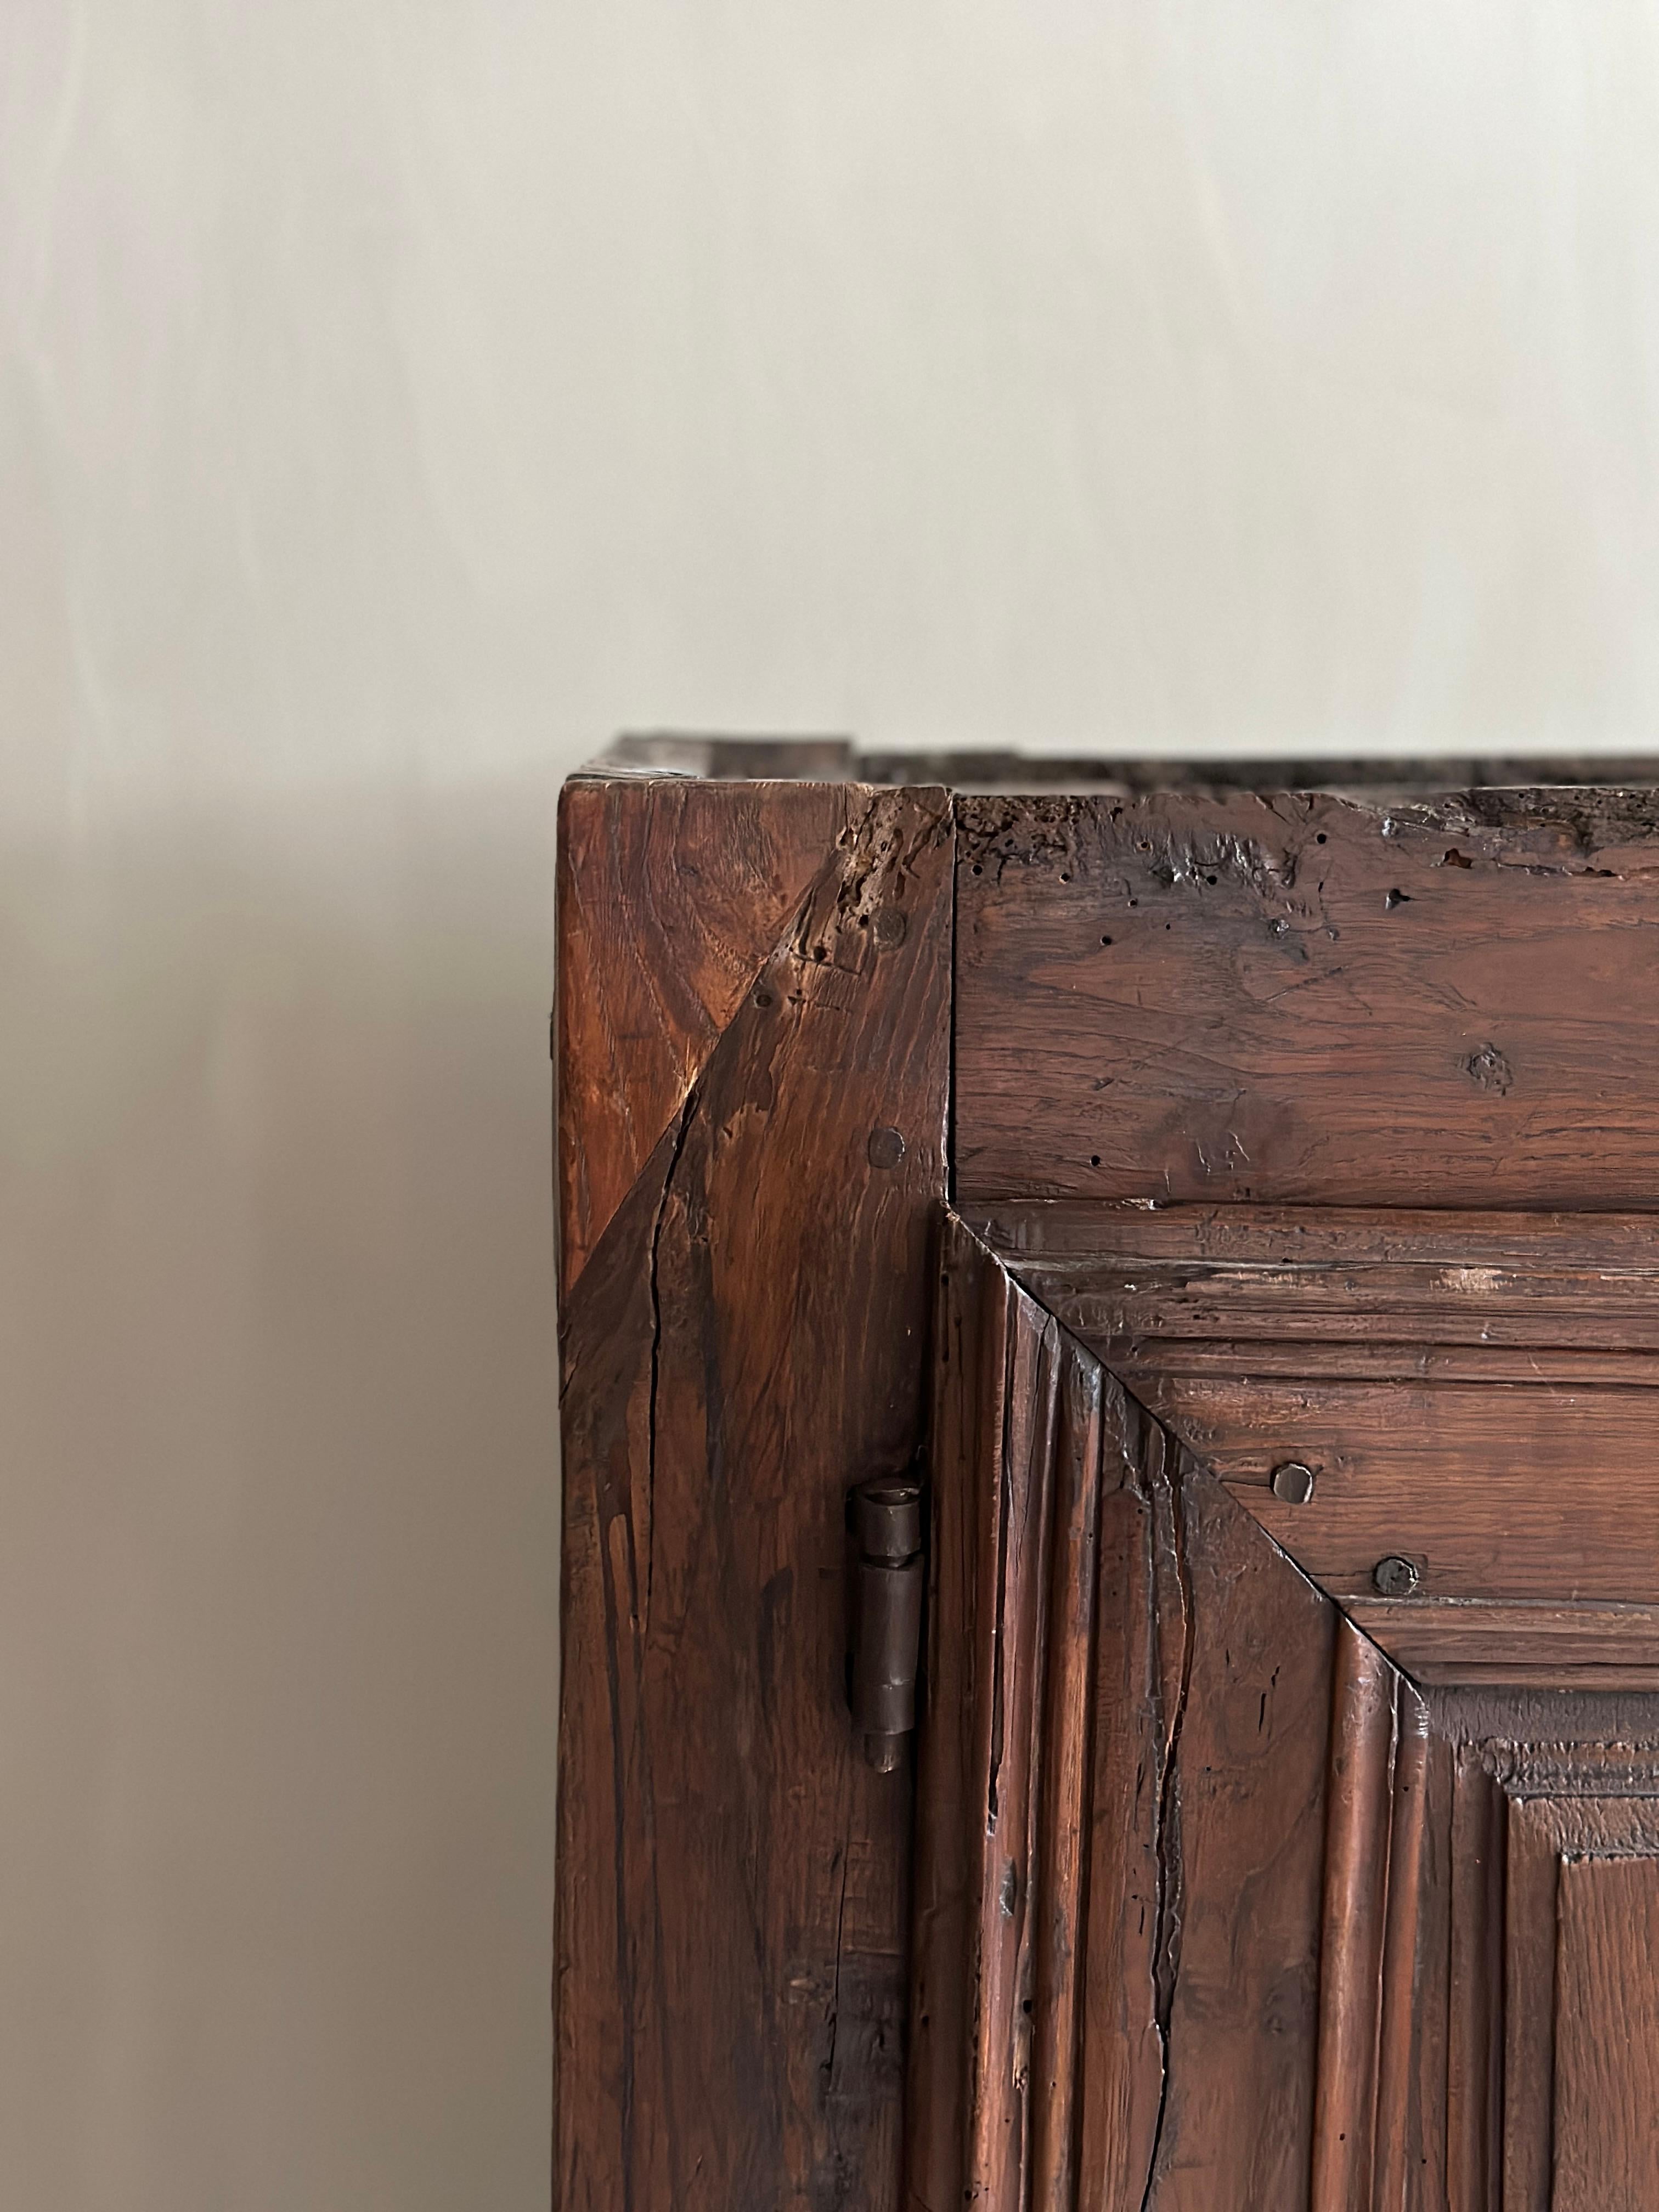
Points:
x=1439 y=2007
x=673 y=894
x=1310 y=1924
x=1004 y=1772
x=1547 y=2035
x=1117 y=1954
x=1346 y=1258
x=1066 y=1785
x=1296 y=998
x=746 y=1341
x=1134 y=1875
x=1231 y=1805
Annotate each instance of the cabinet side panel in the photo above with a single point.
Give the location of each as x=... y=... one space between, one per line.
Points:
x=748 y=1339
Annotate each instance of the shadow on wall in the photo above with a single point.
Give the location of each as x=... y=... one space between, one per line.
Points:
x=279 y=1568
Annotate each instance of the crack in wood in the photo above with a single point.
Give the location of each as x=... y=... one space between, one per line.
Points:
x=833 y=2019
x=682 y=1124
x=1167 y=1566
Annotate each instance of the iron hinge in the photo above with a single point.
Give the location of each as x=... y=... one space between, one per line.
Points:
x=887 y=1524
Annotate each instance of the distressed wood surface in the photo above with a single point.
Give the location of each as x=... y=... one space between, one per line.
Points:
x=1467 y=2113
x=1066 y=1783
x=1444 y=1820
x=746 y=1341
x=1305 y=1127
x=1294 y=997
x=673 y=894
x=1245 y=1842
x=1003 y=1772
x=1381 y=777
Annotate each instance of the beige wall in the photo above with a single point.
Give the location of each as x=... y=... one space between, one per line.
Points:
x=395 y=396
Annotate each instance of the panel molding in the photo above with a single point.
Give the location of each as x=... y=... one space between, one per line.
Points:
x=1363 y=1718
x=1006 y=1754
x=1127 y=1720
x=1085 y=1843
x=1475 y=1393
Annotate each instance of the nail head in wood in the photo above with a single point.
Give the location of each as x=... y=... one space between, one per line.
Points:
x=1394 y=1576
x=1293 y=1483
x=885 y=1148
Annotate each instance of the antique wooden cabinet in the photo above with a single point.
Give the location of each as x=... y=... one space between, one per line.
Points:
x=1223 y=1218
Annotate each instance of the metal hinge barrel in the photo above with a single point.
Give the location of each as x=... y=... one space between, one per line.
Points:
x=888 y=1522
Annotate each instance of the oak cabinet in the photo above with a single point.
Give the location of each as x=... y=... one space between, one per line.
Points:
x=1238 y=1208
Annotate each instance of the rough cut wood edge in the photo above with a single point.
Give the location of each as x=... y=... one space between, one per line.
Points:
x=1008 y=770
x=673 y=894
x=748 y=1339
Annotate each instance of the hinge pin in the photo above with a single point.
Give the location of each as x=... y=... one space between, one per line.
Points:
x=887 y=1527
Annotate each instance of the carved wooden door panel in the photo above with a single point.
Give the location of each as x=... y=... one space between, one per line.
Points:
x=1216 y=1903
x=1245 y=1207
x=1290 y=1785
